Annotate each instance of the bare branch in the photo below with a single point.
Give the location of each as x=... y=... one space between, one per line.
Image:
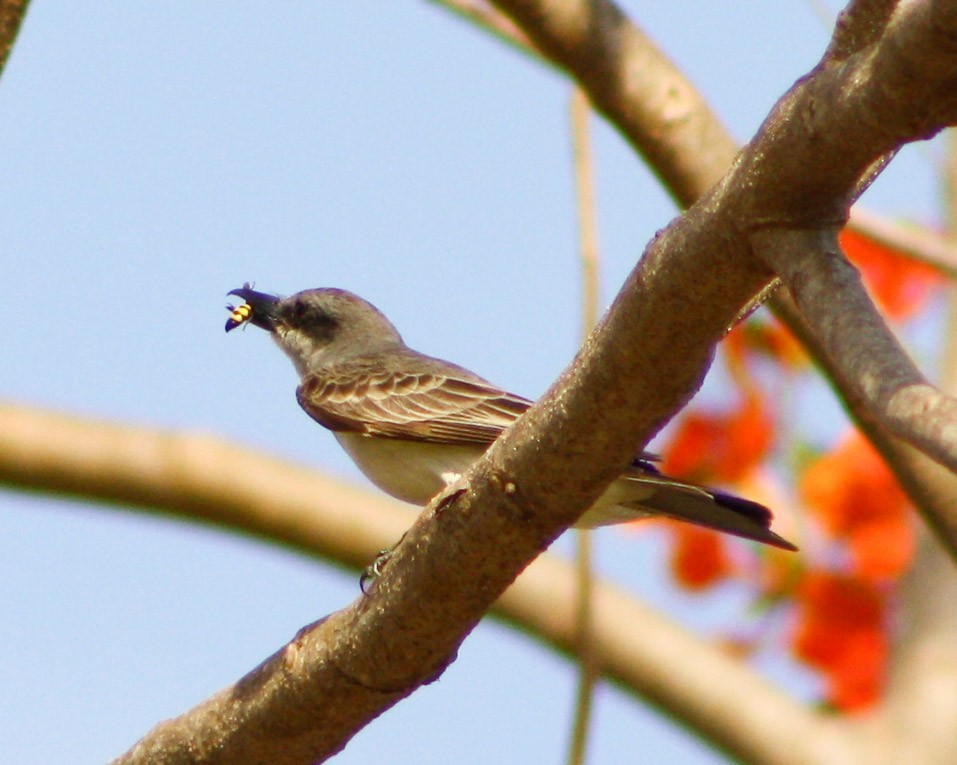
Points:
x=898 y=91
x=920 y=710
x=868 y=359
x=801 y=182
x=920 y=705
x=929 y=486
x=199 y=477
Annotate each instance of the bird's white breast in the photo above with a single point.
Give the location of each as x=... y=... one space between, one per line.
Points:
x=415 y=472
x=408 y=470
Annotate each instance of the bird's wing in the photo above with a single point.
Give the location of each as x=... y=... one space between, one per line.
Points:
x=414 y=406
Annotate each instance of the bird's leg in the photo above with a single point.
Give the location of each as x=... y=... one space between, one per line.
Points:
x=372 y=572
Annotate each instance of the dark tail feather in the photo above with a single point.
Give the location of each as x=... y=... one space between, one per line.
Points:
x=715 y=510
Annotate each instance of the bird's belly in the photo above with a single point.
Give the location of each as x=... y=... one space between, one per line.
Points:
x=619 y=504
x=408 y=470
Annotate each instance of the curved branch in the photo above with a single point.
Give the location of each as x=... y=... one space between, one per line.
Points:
x=920 y=708
x=868 y=360
x=929 y=486
x=199 y=477
x=797 y=234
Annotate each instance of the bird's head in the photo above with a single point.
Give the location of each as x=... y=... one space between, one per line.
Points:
x=315 y=327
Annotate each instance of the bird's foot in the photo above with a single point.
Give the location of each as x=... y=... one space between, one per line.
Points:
x=374 y=570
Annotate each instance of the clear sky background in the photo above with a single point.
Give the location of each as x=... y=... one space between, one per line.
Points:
x=156 y=155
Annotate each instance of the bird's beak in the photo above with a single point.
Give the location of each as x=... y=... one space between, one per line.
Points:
x=259 y=309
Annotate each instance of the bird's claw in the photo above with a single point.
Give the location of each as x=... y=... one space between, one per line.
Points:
x=374 y=570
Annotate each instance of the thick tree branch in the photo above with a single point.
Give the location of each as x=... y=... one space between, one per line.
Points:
x=202 y=478
x=801 y=173
x=930 y=487
x=828 y=131
x=815 y=177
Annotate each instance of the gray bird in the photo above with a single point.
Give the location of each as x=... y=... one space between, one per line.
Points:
x=413 y=424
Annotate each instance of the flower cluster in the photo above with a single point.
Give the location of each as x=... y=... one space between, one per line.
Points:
x=856 y=528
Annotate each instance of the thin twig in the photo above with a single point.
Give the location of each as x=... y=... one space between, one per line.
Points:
x=496 y=23
x=588 y=245
x=914 y=242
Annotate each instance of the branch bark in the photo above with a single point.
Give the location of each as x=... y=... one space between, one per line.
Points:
x=816 y=176
x=204 y=479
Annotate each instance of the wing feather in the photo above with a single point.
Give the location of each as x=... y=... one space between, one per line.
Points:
x=424 y=406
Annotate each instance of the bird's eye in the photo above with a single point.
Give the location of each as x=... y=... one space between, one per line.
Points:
x=304 y=314
x=308 y=316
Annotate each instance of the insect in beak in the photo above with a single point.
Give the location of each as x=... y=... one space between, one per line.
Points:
x=239 y=315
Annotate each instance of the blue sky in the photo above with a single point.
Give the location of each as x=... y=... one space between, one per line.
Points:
x=156 y=155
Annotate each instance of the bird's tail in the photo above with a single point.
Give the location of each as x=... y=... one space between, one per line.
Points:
x=659 y=495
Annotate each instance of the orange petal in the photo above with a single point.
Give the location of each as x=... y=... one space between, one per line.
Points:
x=699 y=558
x=852 y=487
x=883 y=549
x=841 y=631
x=899 y=284
x=721 y=448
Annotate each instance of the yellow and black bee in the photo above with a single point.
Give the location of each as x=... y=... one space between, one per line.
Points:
x=239 y=315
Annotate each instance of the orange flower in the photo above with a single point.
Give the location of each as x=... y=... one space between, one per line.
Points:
x=841 y=632
x=699 y=558
x=857 y=499
x=721 y=448
x=900 y=285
